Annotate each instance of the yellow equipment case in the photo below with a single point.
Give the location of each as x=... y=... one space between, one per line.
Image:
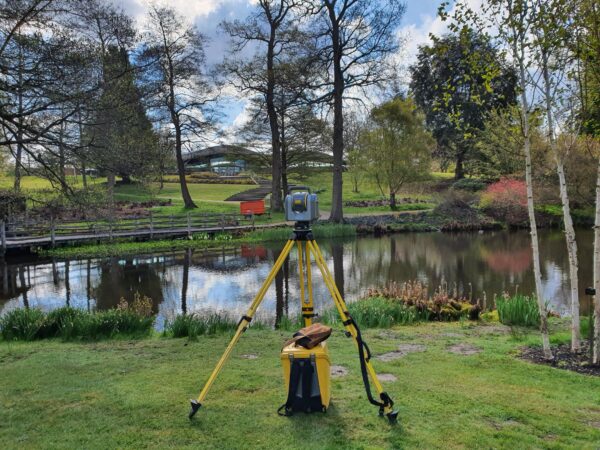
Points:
x=307 y=378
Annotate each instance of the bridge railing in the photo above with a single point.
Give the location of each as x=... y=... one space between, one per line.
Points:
x=31 y=230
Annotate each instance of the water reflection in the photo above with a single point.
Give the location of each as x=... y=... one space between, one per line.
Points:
x=227 y=279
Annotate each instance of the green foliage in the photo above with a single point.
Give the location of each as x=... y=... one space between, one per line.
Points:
x=398 y=148
x=457 y=82
x=194 y=325
x=22 y=324
x=518 y=310
x=469 y=184
x=73 y=324
x=380 y=312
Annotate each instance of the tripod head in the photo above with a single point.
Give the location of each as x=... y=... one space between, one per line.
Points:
x=301 y=206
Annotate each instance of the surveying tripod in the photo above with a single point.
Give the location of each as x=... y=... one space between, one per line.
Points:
x=307 y=248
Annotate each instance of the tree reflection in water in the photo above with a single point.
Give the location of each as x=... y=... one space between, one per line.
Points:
x=228 y=278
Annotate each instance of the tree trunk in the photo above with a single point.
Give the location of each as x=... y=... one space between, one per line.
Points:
x=459 y=171
x=531 y=207
x=276 y=200
x=19 y=153
x=596 y=349
x=187 y=259
x=110 y=186
x=337 y=213
x=185 y=193
x=284 y=175
x=567 y=219
x=392 y=200
x=573 y=262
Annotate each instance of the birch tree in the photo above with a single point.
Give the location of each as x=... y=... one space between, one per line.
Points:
x=552 y=56
x=511 y=22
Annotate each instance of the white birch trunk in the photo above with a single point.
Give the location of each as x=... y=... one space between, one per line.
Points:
x=596 y=345
x=566 y=207
x=572 y=252
x=537 y=274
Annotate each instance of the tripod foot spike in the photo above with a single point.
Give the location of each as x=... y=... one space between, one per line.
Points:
x=195 y=407
x=392 y=417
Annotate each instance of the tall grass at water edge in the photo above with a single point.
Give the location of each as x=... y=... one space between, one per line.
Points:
x=518 y=310
x=127 y=320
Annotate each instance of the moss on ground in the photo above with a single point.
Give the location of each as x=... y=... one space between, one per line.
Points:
x=134 y=394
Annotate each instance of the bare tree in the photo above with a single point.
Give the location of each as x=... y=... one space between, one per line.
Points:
x=357 y=38
x=272 y=30
x=173 y=57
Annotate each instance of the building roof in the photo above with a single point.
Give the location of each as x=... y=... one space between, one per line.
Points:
x=217 y=150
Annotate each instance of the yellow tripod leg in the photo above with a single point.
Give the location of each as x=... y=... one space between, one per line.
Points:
x=301 y=276
x=242 y=326
x=308 y=307
x=350 y=327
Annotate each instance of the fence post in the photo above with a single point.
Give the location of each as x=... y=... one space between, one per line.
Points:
x=189 y=225
x=3 y=236
x=151 y=225
x=253 y=228
x=52 y=232
x=110 y=229
x=223 y=222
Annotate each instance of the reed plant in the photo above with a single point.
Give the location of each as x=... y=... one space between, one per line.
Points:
x=194 y=325
x=518 y=310
x=133 y=319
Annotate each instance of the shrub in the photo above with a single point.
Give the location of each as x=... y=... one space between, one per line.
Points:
x=194 y=325
x=506 y=200
x=381 y=312
x=444 y=304
x=470 y=184
x=518 y=310
x=71 y=323
x=22 y=324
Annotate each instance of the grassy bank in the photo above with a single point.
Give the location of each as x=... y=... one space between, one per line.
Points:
x=202 y=240
x=134 y=394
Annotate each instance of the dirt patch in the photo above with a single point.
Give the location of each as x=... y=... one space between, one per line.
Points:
x=403 y=350
x=452 y=335
x=464 y=349
x=383 y=377
x=492 y=329
x=594 y=425
x=338 y=371
x=563 y=358
x=249 y=356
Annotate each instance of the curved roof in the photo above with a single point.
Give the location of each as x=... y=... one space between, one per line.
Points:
x=233 y=150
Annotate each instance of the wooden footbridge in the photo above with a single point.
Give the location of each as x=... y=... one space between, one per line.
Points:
x=26 y=234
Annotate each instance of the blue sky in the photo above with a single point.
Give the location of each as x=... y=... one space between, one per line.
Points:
x=419 y=20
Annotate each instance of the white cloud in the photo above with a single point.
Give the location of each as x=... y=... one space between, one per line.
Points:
x=190 y=9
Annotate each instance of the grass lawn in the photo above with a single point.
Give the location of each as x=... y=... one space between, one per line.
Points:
x=134 y=394
x=34 y=183
x=367 y=191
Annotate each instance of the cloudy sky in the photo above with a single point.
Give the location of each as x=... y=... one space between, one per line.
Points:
x=419 y=20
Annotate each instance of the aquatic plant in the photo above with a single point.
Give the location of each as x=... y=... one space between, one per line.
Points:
x=22 y=324
x=135 y=320
x=518 y=310
x=444 y=304
x=194 y=325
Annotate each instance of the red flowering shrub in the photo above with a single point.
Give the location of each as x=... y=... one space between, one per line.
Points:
x=506 y=200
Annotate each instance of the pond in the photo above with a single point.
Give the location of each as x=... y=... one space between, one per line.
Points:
x=226 y=279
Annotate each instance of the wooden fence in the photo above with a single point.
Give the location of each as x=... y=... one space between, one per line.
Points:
x=29 y=233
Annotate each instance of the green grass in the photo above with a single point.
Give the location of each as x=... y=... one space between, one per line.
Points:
x=379 y=312
x=71 y=324
x=201 y=240
x=134 y=394
x=518 y=310
x=367 y=191
x=194 y=325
